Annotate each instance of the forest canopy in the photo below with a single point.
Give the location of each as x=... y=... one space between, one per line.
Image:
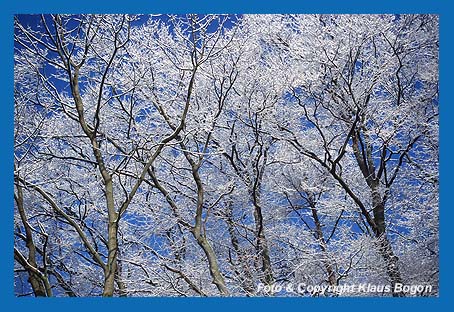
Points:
x=225 y=155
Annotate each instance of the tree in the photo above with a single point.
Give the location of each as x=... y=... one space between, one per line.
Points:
x=369 y=89
x=206 y=154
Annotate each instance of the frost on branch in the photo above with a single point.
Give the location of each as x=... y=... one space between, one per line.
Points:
x=223 y=155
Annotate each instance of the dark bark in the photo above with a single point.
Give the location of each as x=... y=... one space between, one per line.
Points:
x=243 y=272
x=199 y=233
x=37 y=280
x=262 y=244
x=332 y=278
x=363 y=154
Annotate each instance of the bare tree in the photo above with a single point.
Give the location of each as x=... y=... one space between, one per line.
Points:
x=206 y=155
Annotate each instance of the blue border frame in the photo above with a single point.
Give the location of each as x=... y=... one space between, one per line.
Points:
x=11 y=7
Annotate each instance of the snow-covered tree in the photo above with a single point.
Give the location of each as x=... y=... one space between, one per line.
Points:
x=205 y=155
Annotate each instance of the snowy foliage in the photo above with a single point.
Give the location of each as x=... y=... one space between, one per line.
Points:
x=205 y=155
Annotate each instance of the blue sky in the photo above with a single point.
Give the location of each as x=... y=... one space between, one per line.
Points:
x=10 y=7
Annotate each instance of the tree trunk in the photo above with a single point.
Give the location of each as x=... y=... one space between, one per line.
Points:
x=200 y=237
x=30 y=264
x=366 y=164
x=111 y=267
x=245 y=275
x=332 y=280
x=384 y=246
x=112 y=243
x=262 y=246
x=215 y=273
